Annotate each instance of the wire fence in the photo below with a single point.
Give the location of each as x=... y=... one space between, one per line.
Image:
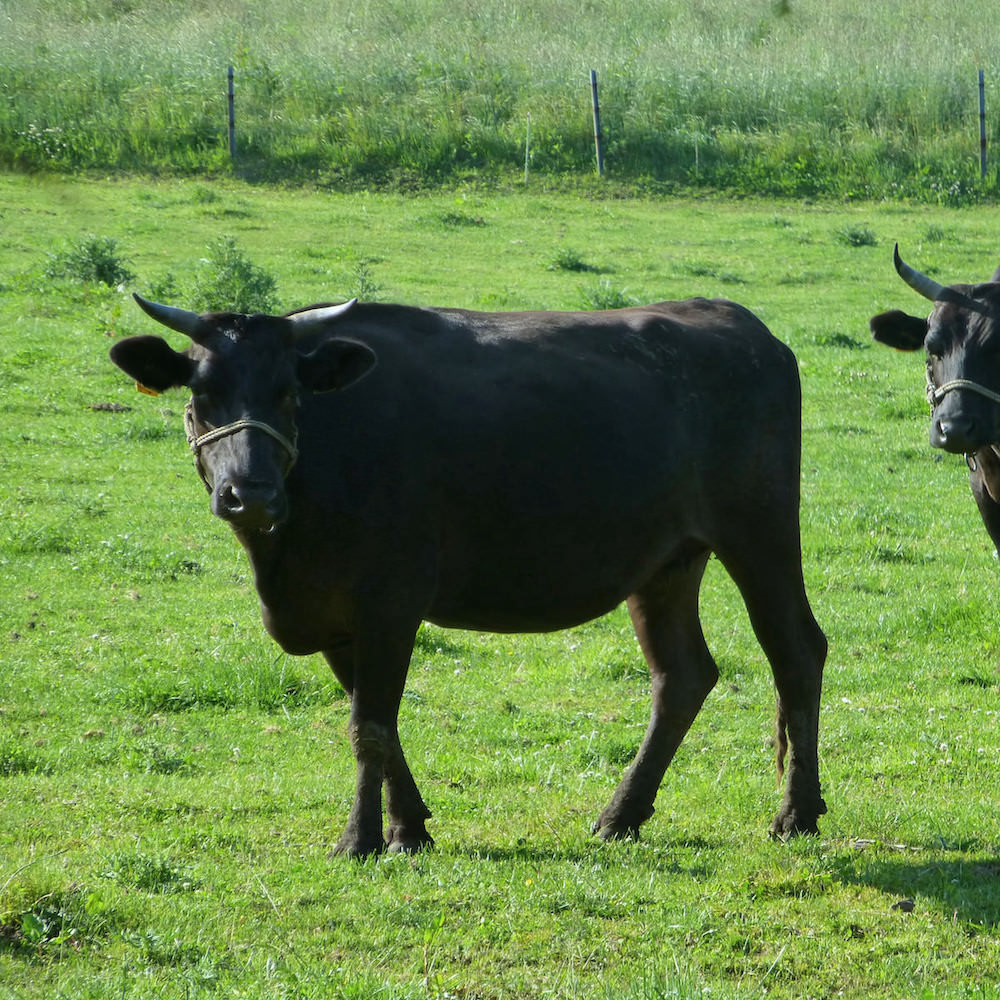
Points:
x=435 y=127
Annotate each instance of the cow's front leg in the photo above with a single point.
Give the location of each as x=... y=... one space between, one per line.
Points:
x=379 y=756
x=984 y=478
x=373 y=669
x=407 y=813
x=363 y=834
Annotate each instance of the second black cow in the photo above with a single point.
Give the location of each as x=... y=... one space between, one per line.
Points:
x=961 y=338
x=384 y=465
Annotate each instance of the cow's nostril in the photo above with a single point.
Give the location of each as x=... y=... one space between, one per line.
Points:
x=230 y=501
x=252 y=506
x=956 y=434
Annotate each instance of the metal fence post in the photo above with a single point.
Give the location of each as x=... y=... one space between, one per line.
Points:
x=598 y=137
x=230 y=95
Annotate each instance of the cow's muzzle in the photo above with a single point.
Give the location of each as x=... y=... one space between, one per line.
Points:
x=959 y=431
x=253 y=506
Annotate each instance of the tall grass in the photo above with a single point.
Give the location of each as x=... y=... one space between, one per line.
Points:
x=798 y=98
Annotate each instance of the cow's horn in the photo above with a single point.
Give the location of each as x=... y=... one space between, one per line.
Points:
x=181 y=320
x=307 y=320
x=927 y=287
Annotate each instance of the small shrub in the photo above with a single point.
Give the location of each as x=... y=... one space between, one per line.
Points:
x=700 y=269
x=170 y=951
x=460 y=219
x=604 y=295
x=837 y=339
x=227 y=280
x=166 y=289
x=90 y=259
x=155 y=758
x=204 y=195
x=148 y=873
x=61 y=918
x=364 y=286
x=15 y=758
x=731 y=278
x=569 y=260
x=857 y=236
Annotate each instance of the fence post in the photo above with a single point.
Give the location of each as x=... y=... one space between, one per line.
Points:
x=527 y=147
x=598 y=137
x=232 y=113
x=982 y=126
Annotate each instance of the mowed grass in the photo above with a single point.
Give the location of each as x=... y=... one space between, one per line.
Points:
x=172 y=783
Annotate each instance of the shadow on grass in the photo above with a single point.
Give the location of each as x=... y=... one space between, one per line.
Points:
x=966 y=889
x=685 y=855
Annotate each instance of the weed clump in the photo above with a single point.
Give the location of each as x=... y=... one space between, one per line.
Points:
x=34 y=922
x=857 y=236
x=148 y=873
x=365 y=286
x=567 y=259
x=90 y=259
x=605 y=295
x=228 y=280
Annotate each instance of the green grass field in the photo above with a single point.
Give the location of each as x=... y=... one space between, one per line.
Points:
x=787 y=97
x=172 y=784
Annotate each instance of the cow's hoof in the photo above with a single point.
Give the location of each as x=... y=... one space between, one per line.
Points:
x=791 y=822
x=614 y=829
x=620 y=820
x=354 y=846
x=609 y=833
x=402 y=841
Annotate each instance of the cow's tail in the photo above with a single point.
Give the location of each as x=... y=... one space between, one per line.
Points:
x=780 y=740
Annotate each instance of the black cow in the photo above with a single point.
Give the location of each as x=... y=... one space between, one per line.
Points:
x=508 y=472
x=962 y=340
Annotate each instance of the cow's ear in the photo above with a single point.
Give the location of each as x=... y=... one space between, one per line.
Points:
x=896 y=329
x=152 y=362
x=335 y=364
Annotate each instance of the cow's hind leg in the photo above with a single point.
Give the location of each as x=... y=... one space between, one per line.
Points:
x=665 y=615
x=767 y=567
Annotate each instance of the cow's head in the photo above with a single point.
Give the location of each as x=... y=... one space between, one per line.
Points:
x=962 y=340
x=245 y=374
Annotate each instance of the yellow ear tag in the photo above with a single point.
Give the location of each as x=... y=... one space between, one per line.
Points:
x=145 y=389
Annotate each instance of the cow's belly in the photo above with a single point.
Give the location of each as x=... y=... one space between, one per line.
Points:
x=525 y=587
x=517 y=615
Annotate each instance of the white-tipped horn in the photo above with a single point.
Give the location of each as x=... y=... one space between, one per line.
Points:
x=307 y=320
x=927 y=287
x=181 y=320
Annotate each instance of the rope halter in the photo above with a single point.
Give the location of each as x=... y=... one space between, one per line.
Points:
x=935 y=393
x=198 y=441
